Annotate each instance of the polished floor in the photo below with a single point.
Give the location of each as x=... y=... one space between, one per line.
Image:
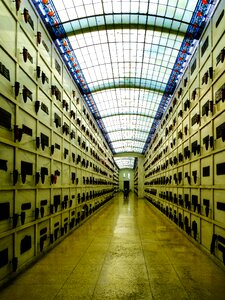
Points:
x=127 y=251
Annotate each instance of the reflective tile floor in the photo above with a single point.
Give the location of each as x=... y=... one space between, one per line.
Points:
x=126 y=251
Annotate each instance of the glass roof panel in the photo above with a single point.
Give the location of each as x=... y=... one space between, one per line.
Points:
x=104 y=65
x=125 y=162
x=126 y=100
x=85 y=8
x=126 y=50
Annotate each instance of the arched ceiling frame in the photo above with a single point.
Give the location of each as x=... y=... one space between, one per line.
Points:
x=134 y=150
x=125 y=162
x=128 y=135
x=138 y=120
x=73 y=26
x=127 y=114
x=154 y=59
x=125 y=131
x=63 y=42
x=130 y=140
x=128 y=130
x=133 y=83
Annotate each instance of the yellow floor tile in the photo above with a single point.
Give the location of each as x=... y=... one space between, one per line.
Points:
x=126 y=251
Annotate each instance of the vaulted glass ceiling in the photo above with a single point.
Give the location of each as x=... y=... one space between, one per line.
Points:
x=125 y=162
x=126 y=51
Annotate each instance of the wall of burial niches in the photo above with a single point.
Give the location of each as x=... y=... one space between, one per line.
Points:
x=55 y=167
x=136 y=180
x=185 y=163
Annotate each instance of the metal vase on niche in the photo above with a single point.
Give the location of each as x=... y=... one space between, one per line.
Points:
x=25 y=54
x=42 y=212
x=26 y=15
x=17 y=88
x=25 y=94
x=37 y=106
x=43 y=77
x=38 y=37
x=38 y=70
x=36 y=213
x=37 y=177
x=14 y=264
x=18 y=133
x=17 y=4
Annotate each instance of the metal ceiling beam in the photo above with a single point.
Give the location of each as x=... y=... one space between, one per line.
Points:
x=132 y=154
x=134 y=130
x=126 y=114
x=121 y=25
x=126 y=86
x=128 y=154
x=124 y=140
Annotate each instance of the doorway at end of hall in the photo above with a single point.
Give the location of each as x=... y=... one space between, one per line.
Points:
x=126 y=185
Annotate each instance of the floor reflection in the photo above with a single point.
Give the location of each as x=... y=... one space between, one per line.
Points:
x=128 y=250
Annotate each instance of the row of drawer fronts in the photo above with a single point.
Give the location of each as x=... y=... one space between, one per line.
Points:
x=32 y=35
x=25 y=90
x=26 y=93
x=211 y=42
x=209 y=137
x=208 y=106
x=205 y=202
x=58 y=174
x=62 y=150
x=189 y=125
x=205 y=171
x=219 y=129
x=67 y=126
x=23 y=209
x=47 y=234
x=211 y=102
x=27 y=80
x=36 y=136
x=201 y=112
x=202 y=231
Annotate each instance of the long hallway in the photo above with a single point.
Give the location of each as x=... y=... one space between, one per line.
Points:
x=126 y=251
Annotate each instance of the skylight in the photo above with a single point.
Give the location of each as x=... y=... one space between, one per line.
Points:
x=125 y=162
x=125 y=54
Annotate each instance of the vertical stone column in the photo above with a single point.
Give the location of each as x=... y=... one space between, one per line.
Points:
x=140 y=177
